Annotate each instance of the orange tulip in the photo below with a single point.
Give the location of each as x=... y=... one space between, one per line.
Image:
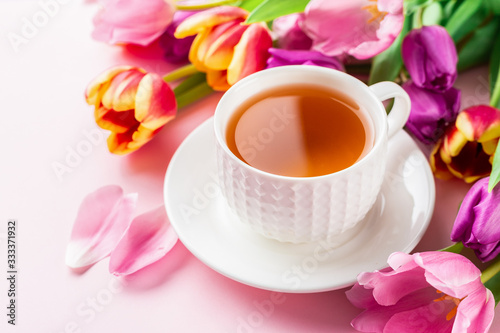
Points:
x=132 y=104
x=225 y=48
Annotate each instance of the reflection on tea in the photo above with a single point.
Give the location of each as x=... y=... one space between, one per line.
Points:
x=299 y=131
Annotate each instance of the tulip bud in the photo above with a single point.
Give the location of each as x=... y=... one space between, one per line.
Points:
x=430 y=56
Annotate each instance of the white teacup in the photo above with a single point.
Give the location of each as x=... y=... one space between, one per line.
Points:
x=305 y=209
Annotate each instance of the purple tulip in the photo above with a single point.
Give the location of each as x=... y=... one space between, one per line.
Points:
x=476 y=225
x=289 y=34
x=176 y=50
x=280 y=57
x=431 y=111
x=431 y=58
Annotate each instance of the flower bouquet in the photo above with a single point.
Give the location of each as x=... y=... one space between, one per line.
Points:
x=420 y=44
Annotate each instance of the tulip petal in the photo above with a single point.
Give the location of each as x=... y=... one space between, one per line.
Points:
x=220 y=51
x=209 y=18
x=451 y=280
x=430 y=56
x=103 y=217
x=208 y=39
x=199 y=48
x=132 y=21
x=218 y=80
x=429 y=318
x=125 y=94
x=149 y=237
x=479 y=123
x=438 y=166
x=127 y=142
x=155 y=103
x=119 y=122
x=94 y=91
x=288 y=33
x=431 y=111
x=118 y=143
x=356 y=27
x=454 y=142
x=490 y=146
x=386 y=33
x=350 y=25
x=124 y=85
x=388 y=289
x=376 y=318
x=486 y=213
x=451 y=273
x=476 y=222
x=475 y=313
x=250 y=54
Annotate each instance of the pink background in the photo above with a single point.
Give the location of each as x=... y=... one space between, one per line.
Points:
x=45 y=118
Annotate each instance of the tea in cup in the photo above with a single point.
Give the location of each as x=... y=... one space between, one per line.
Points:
x=301 y=150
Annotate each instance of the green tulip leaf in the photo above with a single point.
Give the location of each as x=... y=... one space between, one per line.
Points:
x=465 y=19
x=387 y=65
x=250 y=4
x=268 y=10
x=495 y=170
x=455 y=248
x=477 y=49
x=494 y=286
x=494 y=74
x=448 y=10
x=493 y=5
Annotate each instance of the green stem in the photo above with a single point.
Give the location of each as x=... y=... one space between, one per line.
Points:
x=179 y=73
x=418 y=18
x=455 y=248
x=189 y=83
x=491 y=271
x=194 y=94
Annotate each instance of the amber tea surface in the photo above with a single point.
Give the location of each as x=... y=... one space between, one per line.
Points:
x=299 y=131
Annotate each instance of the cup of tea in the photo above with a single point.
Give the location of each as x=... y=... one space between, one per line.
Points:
x=301 y=150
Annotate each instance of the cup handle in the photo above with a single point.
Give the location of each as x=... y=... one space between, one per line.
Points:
x=400 y=111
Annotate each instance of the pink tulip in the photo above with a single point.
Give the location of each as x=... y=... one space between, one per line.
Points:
x=428 y=292
x=132 y=21
x=360 y=28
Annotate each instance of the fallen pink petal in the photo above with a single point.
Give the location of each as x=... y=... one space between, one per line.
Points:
x=149 y=238
x=103 y=217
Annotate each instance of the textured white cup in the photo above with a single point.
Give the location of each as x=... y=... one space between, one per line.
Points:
x=305 y=209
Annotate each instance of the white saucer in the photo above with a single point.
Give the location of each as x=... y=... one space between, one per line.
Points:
x=214 y=235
